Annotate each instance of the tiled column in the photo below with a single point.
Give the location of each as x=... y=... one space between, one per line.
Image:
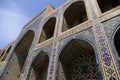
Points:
x=54 y=54
x=109 y=68
x=26 y=68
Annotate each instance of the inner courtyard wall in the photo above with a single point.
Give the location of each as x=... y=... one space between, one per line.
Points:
x=99 y=31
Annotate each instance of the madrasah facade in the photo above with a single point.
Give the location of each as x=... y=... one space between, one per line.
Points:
x=80 y=40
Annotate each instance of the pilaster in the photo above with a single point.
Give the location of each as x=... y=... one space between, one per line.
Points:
x=108 y=64
x=54 y=54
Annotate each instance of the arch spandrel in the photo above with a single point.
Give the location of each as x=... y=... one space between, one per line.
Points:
x=86 y=35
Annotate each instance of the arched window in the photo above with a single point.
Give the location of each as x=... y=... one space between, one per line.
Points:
x=74 y=15
x=117 y=41
x=106 y=5
x=5 y=55
x=15 y=65
x=77 y=61
x=39 y=67
x=1 y=55
x=48 y=29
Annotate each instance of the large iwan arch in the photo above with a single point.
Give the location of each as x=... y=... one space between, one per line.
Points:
x=39 y=67
x=77 y=61
x=20 y=53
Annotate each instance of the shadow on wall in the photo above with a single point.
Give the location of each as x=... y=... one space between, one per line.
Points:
x=15 y=65
x=39 y=67
x=77 y=61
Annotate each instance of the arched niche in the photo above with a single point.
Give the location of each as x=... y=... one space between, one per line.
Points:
x=77 y=61
x=39 y=67
x=106 y=5
x=117 y=41
x=1 y=55
x=16 y=63
x=48 y=30
x=5 y=54
x=74 y=15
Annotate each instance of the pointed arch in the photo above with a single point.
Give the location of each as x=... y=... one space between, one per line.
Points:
x=16 y=63
x=48 y=30
x=39 y=67
x=1 y=55
x=77 y=61
x=7 y=52
x=74 y=15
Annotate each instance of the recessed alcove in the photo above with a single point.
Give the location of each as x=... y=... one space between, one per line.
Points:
x=77 y=61
x=106 y=5
x=5 y=55
x=48 y=30
x=39 y=67
x=17 y=60
x=74 y=15
x=117 y=41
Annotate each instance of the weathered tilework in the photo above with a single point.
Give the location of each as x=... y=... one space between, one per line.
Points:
x=34 y=25
x=110 y=27
x=107 y=61
x=87 y=36
x=110 y=72
x=47 y=49
x=81 y=65
x=52 y=66
x=39 y=67
x=76 y=50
